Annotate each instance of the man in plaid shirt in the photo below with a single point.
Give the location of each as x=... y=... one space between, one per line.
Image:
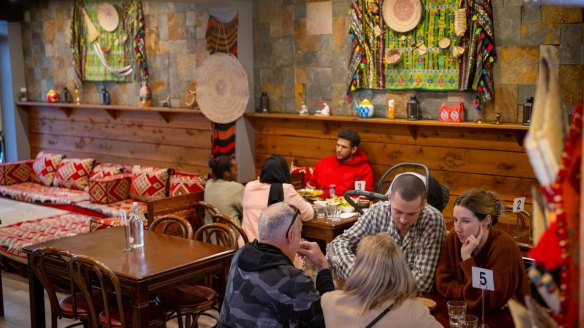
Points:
x=415 y=226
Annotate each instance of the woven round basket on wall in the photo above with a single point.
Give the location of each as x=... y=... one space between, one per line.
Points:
x=402 y=15
x=222 y=88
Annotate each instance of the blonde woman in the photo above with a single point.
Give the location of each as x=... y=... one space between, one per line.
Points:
x=380 y=291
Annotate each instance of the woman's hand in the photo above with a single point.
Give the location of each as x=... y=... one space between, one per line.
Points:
x=470 y=244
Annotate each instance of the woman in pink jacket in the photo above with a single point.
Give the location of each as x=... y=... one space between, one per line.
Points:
x=272 y=187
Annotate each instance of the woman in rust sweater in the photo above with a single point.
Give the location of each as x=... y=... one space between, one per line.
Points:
x=473 y=242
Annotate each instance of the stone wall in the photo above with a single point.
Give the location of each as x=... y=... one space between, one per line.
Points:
x=302 y=49
x=175 y=47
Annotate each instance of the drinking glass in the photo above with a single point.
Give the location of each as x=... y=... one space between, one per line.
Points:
x=333 y=212
x=470 y=321
x=456 y=313
x=320 y=212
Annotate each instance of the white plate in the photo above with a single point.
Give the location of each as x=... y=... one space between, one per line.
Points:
x=348 y=215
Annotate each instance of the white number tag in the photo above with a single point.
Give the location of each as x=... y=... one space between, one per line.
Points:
x=482 y=278
x=360 y=185
x=518 y=204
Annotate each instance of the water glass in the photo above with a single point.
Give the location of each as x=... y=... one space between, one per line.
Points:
x=470 y=321
x=320 y=211
x=333 y=212
x=456 y=313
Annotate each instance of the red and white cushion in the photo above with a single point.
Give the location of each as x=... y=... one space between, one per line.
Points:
x=110 y=189
x=102 y=170
x=183 y=183
x=45 y=167
x=15 y=172
x=73 y=173
x=148 y=183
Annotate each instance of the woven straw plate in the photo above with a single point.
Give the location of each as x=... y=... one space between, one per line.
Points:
x=402 y=15
x=107 y=16
x=222 y=88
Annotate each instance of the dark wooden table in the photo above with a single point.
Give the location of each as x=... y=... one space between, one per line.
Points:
x=165 y=261
x=326 y=229
x=501 y=318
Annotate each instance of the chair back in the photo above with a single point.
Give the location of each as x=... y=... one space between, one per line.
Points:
x=173 y=225
x=231 y=223
x=204 y=212
x=218 y=234
x=51 y=266
x=89 y=273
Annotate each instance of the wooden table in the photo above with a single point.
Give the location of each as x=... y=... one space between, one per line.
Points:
x=326 y=229
x=501 y=318
x=165 y=261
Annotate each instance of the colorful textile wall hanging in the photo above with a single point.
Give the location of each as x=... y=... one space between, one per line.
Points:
x=222 y=37
x=422 y=45
x=107 y=41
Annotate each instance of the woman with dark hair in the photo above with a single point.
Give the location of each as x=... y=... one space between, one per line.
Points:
x=222 y=191
x=473 y=243
x=273 y=186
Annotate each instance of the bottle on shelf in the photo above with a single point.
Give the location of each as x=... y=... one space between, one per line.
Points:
x=104 y=98
x=136 y=223
x=66 y=95
x=391 y=109
x=77 y=95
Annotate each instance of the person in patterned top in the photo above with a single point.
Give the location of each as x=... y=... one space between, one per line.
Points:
x=264 y=289
x=416 y=227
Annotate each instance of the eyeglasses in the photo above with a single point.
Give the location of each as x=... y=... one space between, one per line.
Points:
x=296 y=213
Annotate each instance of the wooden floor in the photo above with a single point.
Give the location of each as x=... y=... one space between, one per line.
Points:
x=16 y=306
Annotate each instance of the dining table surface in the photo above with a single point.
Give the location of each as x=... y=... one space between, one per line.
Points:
x=163 y=262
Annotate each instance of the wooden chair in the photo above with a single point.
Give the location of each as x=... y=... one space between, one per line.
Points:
x=51 y=266
x=190 y=300
x=231 y=223
x=218 y=234
x=173 y=225
x=88 y=272
x=204 y=210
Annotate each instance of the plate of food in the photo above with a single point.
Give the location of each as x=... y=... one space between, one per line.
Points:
x=310 y=192
x=429 y=303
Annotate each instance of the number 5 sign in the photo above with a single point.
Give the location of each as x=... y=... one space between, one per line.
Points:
x=482 y=278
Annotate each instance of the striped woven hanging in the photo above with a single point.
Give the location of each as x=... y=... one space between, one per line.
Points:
x=222 y=37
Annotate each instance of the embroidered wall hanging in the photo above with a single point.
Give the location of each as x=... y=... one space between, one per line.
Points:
x=222 y=37
x=107 y=41
x=440 y=45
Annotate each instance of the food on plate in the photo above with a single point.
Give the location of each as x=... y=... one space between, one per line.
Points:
x=310 y=192
x=430 y=304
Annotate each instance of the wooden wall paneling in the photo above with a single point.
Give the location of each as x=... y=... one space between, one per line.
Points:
x=132 y=137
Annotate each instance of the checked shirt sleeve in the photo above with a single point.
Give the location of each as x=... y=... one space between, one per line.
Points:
x=430 y=243
x=341 y=251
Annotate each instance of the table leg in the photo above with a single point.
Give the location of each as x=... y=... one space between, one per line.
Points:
x=140 y=306
x=37 y=300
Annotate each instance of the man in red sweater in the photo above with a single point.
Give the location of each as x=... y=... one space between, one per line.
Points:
x=347 y=165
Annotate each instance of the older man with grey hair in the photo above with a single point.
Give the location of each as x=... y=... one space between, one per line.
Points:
x=264 y=289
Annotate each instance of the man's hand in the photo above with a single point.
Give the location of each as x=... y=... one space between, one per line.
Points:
x=310 y=250
x=470 y=244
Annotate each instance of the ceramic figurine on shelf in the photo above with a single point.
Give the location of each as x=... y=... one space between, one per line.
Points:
x=325 y=111
x=498 y=118
x=145 y=96
x=52 y=96
x=304 y=110
x=22 y=95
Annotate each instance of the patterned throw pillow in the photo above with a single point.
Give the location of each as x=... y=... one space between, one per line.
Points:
x=15 y=172
x=148 y=183
x=110 y=189
x=102 y=170
x=45 y=167
x=184 y=183
x=73 y=173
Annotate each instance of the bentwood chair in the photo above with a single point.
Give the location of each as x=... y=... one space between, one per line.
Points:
x=89 y=272
x=173 y=225
x=231 y=223
x=193 y=300
x=204 y=212
x=51 y=266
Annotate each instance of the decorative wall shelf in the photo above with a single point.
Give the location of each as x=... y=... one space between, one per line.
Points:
x=113 y=110
x=517 y=129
